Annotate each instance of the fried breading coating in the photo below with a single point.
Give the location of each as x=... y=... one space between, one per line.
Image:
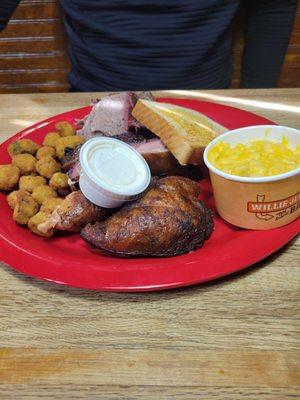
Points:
x=25 y=208
x=9 y=176
x=69 y=142
x=51 y=139
x=38 y=224
x=59 y=182
x=51 y=204
x=12 y=197
x=45 y=151
x=30 y=182
x=22 y=146
x=25 y=162
x=65 y=128
x=47 y=166
x=42 y=193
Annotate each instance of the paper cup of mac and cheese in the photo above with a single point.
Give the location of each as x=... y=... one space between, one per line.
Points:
x=262 y=202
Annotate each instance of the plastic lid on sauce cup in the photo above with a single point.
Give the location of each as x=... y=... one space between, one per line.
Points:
x=112 y=172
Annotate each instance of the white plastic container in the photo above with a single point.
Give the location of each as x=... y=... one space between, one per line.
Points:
x=256 y=202
x=112 y=172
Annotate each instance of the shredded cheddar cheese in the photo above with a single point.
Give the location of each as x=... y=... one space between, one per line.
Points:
x=256 y=158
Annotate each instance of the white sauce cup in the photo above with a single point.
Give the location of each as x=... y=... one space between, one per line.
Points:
x=112 y=172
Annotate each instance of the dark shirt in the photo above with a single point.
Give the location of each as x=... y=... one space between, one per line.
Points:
x=170 y=44
x=129 y=45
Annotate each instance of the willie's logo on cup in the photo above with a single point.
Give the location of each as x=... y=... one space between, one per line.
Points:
x=277 y=209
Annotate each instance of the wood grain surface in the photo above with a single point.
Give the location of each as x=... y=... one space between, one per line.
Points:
x=235 y=338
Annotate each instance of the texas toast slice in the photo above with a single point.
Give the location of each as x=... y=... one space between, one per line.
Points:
x=185 y=132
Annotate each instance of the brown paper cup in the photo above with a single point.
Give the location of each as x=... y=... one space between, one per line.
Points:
x=256 y=203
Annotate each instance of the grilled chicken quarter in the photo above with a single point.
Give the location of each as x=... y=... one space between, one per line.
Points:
x=168 y=220
x=72 y=215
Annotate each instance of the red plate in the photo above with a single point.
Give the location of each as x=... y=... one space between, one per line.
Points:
x=69 y=261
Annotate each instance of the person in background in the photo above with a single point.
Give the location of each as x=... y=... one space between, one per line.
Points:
x=119 y=45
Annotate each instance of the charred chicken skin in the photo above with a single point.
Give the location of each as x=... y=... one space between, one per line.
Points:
x=76 y=211
x=168 y=220
x=71 y=215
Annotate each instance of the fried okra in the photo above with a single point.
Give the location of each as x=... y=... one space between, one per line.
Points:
x=51 y=139
x=30 y=182
x=49 y=205
x=45 y=151
x=47 y=166
x=43 y=192
x=25 y=208
x=12 y=197
x=22 y=146
x=25 y=163
x=65 y=128
x=59 y=182
x=67 y=142
x=41 y=225
x=9 y=176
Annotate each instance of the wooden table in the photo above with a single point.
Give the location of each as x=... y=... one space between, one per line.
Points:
x=236 y=338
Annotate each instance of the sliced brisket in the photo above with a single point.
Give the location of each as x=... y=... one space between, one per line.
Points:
x=111 y=116
x=159 y=158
